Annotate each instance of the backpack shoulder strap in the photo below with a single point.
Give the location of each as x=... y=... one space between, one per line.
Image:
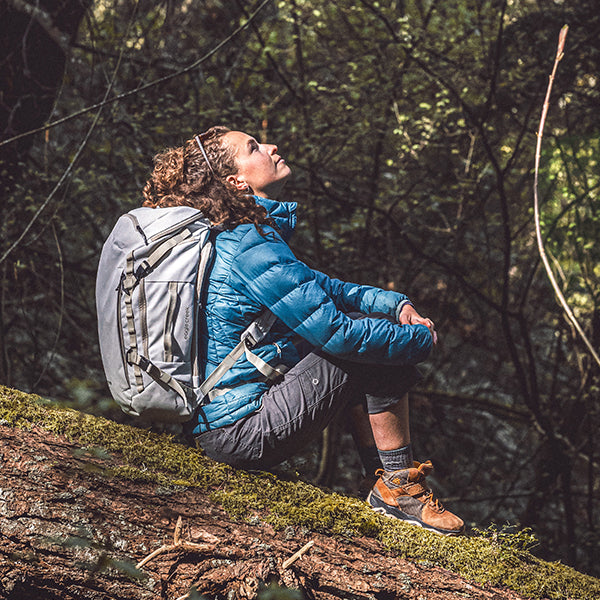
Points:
x=253 y=334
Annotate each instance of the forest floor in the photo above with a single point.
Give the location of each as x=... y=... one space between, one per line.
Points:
x=70 y=530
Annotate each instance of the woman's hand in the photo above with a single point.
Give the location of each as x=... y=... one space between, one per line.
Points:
x=409 y=316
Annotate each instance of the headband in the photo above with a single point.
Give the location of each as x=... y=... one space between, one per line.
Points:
x=204 y=154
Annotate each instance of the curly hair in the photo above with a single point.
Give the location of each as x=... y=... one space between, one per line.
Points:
x=183 y=177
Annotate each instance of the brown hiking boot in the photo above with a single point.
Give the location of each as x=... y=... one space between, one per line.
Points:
x=404 y=495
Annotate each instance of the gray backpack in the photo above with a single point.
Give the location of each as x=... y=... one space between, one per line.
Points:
x=149 y=289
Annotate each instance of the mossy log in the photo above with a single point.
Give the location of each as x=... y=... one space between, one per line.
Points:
x=96 y=510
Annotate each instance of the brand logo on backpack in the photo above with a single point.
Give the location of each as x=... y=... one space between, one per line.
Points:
x=187 y=322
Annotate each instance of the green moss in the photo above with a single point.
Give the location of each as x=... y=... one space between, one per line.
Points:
x=492 y=558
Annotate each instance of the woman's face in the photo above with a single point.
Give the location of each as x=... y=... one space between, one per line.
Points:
x=260 y=168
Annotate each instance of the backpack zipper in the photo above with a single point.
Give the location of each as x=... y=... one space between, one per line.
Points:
x=137 y=226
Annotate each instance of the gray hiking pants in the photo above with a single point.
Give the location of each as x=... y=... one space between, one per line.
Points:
x=295 y=410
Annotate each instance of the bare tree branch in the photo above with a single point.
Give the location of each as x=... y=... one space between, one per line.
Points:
x=141 y=88
x=538 y=231
x=106 y=100
x=77 y=154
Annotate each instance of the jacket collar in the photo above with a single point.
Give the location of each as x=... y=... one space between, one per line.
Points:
x=283 y=213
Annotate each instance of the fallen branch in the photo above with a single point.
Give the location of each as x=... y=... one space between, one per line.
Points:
x=178 y=545
x=142 y=88
x=292 y=559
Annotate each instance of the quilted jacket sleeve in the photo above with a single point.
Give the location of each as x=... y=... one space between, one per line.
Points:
x=361 y=298
x=306 y=302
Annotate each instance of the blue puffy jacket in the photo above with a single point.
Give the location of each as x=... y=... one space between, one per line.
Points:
x=253 y=271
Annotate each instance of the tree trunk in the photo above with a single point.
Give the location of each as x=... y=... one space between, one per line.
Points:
x=70 y=530
x=35 y=39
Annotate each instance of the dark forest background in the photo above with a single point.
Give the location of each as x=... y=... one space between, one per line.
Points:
x=410 y=126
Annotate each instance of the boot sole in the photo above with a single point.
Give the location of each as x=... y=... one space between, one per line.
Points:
x=379 y=506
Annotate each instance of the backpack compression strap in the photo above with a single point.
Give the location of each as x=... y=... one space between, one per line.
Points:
x=133 y=278
x=157 y=374
x=129 y=282
x=260 y=327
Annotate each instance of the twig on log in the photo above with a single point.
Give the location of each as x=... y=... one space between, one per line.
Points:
x=178 y=545
x=292 y=559
x=538 y=231
x=177 y=534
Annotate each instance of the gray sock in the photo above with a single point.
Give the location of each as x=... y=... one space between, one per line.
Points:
x=394 y=460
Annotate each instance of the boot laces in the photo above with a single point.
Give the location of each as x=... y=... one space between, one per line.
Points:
x=434 y=501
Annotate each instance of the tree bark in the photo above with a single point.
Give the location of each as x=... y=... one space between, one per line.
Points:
x=69 y=529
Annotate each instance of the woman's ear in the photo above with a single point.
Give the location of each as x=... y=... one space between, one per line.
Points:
x=237 y=182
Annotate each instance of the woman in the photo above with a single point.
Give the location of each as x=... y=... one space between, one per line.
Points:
x=365 y=341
